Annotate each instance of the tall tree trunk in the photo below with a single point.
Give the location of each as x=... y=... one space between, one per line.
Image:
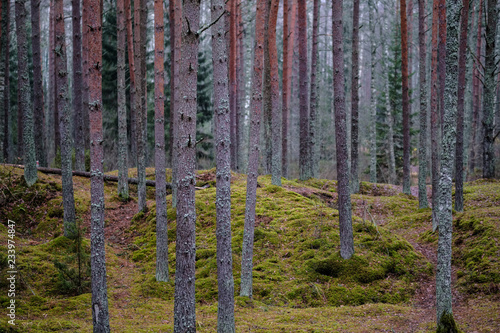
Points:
x=276 y=115
x=443 y=274
x=139 y=104
x=266 y=97
x=131 y=66
x=286 y=87
x=434 y=113
x=476 y=91
x=390 y=130
x=184 y=306
x=52 y=141
x=92 y=24
x=24 y=91
x=304 y=155
x=222 y=122
x=313 y=105
x=406 y=101
x=232 y=80
x=422 y=148
x=57 y=116
x=253 y=152
x=441 y=60
x=241 y=91
x=459 y=157
x=77 y=88
x=85 y=80
x=160 y=176
x=373 y=102
x=355 y=99
x=63 y=104
x=344 y=201
x=4 y=65
x=38 y=109
x=122 y=102
x=489 y=91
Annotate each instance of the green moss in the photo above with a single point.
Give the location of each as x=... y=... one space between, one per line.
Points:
x=447 y=324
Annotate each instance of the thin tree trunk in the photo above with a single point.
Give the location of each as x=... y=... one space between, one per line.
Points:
x=476 y=91
x=85 y=81
x=253 y=152
x=122 y=102
x=313 y=105
x=241 y=91
x=406 y=102
x=304 y=150
x=160 y=176
x=355 y=99
x=63 y=104
x=441 y=60
x=92 y=24
x=184 y=306
x=7 y=138
x=373 y=102
x=286 y=91
x=443 y=273
x=459 y=157
x=222 y=120
x=4 y=58
x=266 y=97
x=390 y=131
x=77 y=88
x=489 y=91
x=344 y=201
x=434 y=113
x=232 y=80
x=422 y=148
x=131 y=57
x=38 y=109
x=24 y=92
x=276 y=112
x=53 y=74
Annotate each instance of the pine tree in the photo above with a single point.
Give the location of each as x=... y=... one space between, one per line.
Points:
x=355 y=99
x=406 y=101
x=4 y=75
x=286 y=91
x=304 y=151
x=313 y=103
x=77 y=88
x=434 y=113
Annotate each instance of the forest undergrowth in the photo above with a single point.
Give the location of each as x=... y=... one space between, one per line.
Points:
x=301 y=284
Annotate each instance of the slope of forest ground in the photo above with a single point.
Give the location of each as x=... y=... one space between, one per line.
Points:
x=300 y=282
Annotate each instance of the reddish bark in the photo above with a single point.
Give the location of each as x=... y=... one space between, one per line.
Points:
x=406 y=102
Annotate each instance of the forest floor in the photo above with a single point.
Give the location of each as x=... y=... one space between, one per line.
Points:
x=395 y=259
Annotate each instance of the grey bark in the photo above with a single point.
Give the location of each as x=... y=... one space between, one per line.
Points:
x=355 y=99
x=422 y=148
x=344 y=198
x=77 y=88
x=313 y=104
x=4 y=65
x=24 y=94
x=266 y=99
x=222 y=120
x=8 y=144
x=443 y=274
x=373 y=102
x=122 y=104
x=253 y=153
x=184 y=305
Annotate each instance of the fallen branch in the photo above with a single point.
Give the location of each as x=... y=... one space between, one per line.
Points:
x=108 y=178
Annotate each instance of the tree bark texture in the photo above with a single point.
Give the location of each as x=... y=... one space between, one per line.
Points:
x=4 y=82
x=344 y=198
x=286 y=87
x=77 y=88
x=266 y=98
x=184 y=306
x=313 y=104
x=434 y=113
x=489 y=90
x=160 y=166
x=406 y=101
x=253 y=152
x=25 y=109
x=232 y=80
x=476 y=91
x=304 y=149
x=38 y=109
x=131 y=59
x=443 y=273
x=373 y=102
x=355 y=99
x=422 y=147
x=441 y=60
x=92 y=24
x=222 y=121
x=459 y=154
x=85 y=81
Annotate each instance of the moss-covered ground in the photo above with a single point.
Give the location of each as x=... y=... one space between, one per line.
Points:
x=300 y=282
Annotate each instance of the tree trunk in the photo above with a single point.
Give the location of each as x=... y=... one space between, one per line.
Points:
x=266 y=98
x=286 y=88
x=53 y=74
x=241 y=92
x=489 y=91
x=130 y=52
x=222 y=122
x=253 y=152
x=313 y=105
x=373 y=102
x=422 y=148
x=276 y=115
x=92 y=24
x=406 y=102
x=459 y=157
x=77 y=88
x=443 y=273
x=184 y=306
x=38 y=109
x=122 y=102
x=232 y=80
x=24 y=91
x=434 y=113
x=4 y=82
x=441 y=60
x=304 y=149
x=8 y=153
x=344 y=201
x=161 y=194
x=355 y=99
x=85 y=81
x=476 y=91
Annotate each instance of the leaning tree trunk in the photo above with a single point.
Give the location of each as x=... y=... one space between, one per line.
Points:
x=443 y=273
x=184 y=305
x=222 y=122
x=489 y=91
x=355 y=99
x=38 y=109
x=160 y=176
x=434 y=113
x=63 y=105
x=313 y=104
x=93 y=29
x=406 y=101
x=344 y=201
x=304 y=150
x=253 y=153
x=122 y=102
x=459 y=157
x=24 y=93
x=77 y=88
